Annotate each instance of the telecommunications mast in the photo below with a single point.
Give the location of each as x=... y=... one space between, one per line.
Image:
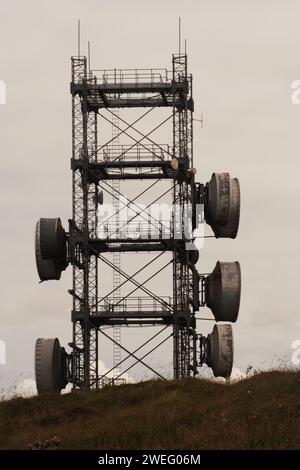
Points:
x=104 y=168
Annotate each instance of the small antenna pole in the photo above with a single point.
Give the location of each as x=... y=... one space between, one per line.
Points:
x=185 y=42
x=179 y=33
x=89 y=56
x=78 y=37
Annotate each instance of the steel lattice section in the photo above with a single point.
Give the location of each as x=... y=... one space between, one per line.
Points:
x=87 y=100
x=85 y=277
x=183 y=151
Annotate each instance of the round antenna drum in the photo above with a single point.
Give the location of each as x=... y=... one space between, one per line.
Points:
x=50 y=249
x=50 y=366
x=219 y=197
x=220 y=350
x=222 y=211
x=52 y=238
x=230 y=229
x=223 y=291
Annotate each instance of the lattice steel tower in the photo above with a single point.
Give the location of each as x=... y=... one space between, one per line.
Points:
x=99 y=171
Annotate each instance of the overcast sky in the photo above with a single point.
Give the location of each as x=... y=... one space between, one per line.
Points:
x=244 y=55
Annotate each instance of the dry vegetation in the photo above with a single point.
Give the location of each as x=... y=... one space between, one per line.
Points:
x=261 y=412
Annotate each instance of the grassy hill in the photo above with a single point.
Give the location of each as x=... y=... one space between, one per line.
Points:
x=261 y=412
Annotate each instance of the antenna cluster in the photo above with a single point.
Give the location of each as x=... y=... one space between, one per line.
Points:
x=104 y=169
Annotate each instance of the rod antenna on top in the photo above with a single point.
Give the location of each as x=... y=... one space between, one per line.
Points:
x=179 y=33
x=89 y=56
x=78 y=37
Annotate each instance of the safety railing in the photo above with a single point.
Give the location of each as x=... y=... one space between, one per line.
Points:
x=134 y=304
x=147 y=230
x=123 y=76
x=138 y=153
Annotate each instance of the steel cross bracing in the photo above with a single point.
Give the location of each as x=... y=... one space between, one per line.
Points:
x=102 y=94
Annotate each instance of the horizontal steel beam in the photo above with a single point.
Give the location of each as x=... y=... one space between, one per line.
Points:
x=133 y=87
x=118 y=318
x=124 y=322
x=99 y=171
x=101 y=320
x=125 y=245
x=132 y=164
x=94 y=105
x=136 y=176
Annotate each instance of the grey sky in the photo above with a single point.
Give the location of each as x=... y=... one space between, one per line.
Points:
x=244 y=57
